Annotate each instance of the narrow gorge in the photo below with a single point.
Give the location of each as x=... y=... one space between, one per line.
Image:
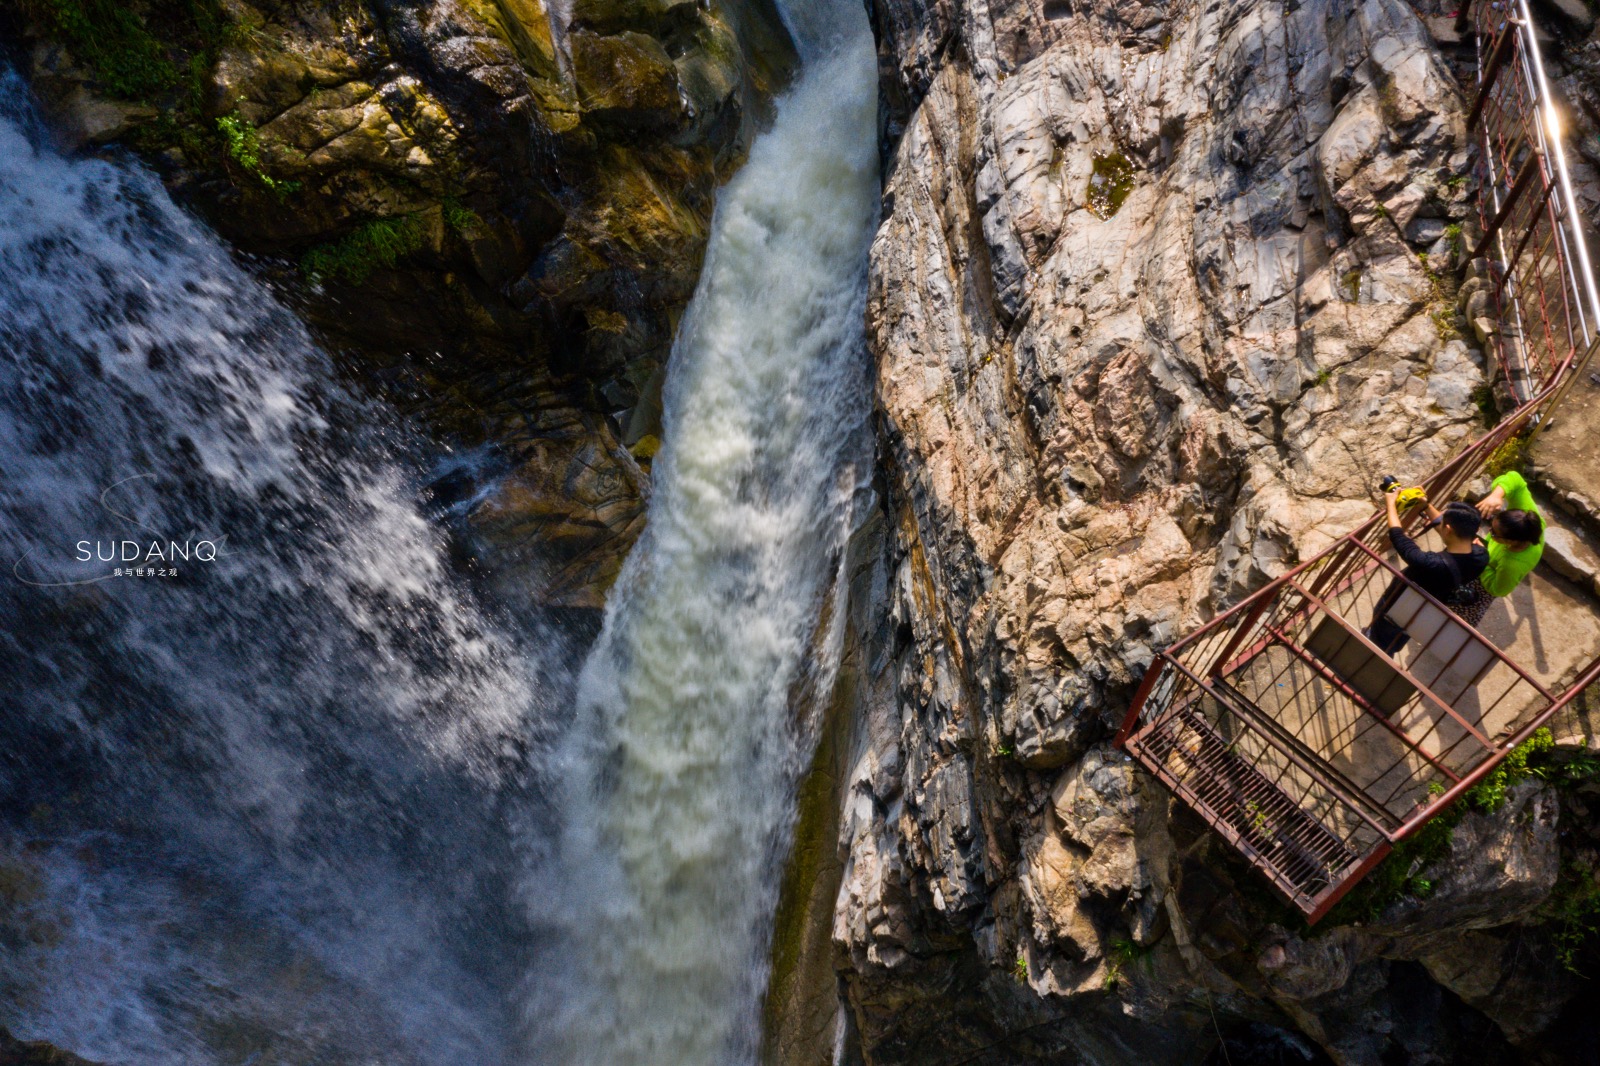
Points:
x=624 y=531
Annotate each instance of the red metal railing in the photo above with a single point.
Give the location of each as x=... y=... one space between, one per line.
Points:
x=1541 y=285
x=1309 y=744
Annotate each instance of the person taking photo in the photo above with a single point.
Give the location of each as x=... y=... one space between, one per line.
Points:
x=1446 y=575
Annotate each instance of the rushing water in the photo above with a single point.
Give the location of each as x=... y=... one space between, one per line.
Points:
x=250 y=803
x=680 y=776
x=301 y=795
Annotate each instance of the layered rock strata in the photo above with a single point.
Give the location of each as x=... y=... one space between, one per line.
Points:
x=1161 y=290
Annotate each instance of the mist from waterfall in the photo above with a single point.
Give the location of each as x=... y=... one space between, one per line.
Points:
x=251 y=795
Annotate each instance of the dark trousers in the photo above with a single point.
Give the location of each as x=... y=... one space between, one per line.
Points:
x=1388 y=636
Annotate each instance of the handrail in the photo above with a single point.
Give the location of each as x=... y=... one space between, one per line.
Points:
x=1514 y=113
x=1543 y=291
x=1434 y=601
x=1554 y=116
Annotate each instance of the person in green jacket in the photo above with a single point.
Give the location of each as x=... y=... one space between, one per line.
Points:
x=1515 y=541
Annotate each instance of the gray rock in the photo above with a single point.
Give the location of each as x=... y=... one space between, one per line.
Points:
x=1425 y=231
x=1099 y=427
x=1567 y=554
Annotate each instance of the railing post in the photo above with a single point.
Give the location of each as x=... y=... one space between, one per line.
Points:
x=1491 y=70
x=1239 y=635
x=1524 y=179
x=1131 y=719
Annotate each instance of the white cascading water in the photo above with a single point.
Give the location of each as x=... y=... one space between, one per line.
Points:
x=680 y=772
x=305 y=804
x=248 y=813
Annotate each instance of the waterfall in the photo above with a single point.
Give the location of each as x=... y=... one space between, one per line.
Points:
x=679 y=775
x=249 y=799
x=283 y=786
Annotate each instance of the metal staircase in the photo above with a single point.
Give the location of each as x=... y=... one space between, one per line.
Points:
x=1299 y=741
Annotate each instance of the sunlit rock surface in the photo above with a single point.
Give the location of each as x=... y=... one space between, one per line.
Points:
x=1108 y=411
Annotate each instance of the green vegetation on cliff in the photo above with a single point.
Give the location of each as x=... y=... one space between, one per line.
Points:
x=161 y=55
x=353 y=258
x=1404 y=873
x=244 y=148
x=130 y=60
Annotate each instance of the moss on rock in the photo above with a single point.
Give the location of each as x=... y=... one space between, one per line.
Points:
x=1109 y=184
x=627 y=77
x=526 y=201
x=382 y=242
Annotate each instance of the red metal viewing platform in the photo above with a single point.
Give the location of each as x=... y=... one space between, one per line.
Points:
x=1307 y=748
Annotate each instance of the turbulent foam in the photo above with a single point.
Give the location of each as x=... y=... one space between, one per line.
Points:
x=680 y=774
x=253 y=805
x=263 y=810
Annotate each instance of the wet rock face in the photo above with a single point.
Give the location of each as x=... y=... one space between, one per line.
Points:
x=14 y=1052
x=499 y=205
x=1158 y=295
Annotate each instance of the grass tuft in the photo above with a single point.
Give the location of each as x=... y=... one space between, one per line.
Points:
x=243 y=146
x=380 y=243
x=113 y=41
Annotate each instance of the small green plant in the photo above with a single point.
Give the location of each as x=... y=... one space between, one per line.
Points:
x=1003 y=750
x=1452 y=233
x=1488 y=410
x=1350 y=285
x=1524 y=761
x=1399 y=876
x=1454 y=183
x=1573 y=772
x=243 y=146
x=1128 y=951
x=1573 y=914
x=108 y=36
x=353 y=258
x=1324 y=376
x=1389 y=103
x=242 y=33
x=1506 y=457
x=1124 y=954
x=136 y=51
x=1257 y=816
x=1019 y=969
x=1109 y=185
x=461 y=218
x=1444 y=321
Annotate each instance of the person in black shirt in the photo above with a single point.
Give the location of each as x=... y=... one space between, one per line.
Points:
x=1440 y=574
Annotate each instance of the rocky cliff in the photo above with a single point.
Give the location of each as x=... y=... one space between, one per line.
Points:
x=1160 y=291
x=497 y=208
